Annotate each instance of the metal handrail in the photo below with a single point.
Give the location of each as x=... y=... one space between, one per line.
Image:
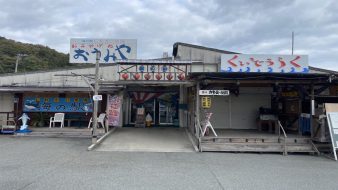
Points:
x=281 y=127
x=285 y=136
x=197 y=122
x=198 y=135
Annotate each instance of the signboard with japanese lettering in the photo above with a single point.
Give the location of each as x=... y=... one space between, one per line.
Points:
x=83 y=50
x=214 y=92
x=264 y=63
x=56 y=104
x=97 y=97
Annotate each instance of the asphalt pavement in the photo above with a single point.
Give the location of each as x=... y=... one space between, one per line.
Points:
x=64 y=163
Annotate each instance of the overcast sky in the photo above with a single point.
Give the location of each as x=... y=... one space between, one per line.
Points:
x=246 y=26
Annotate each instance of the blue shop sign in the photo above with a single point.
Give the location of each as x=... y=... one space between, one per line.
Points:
x=56 y=104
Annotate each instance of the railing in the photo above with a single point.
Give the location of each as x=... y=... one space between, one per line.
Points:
x=7 y=118
x=198 y=132
x=285 y=136
x=198 y=126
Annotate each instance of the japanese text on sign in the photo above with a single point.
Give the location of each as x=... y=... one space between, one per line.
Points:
x=114 y=108
x=84 y=50
x=97 y=97
x=214 y=92
x=56 y=104
x=264 y=63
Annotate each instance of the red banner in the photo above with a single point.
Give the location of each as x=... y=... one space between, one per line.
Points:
x=114 y=105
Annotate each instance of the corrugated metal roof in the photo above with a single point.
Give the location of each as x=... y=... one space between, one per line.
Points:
x=175 y=46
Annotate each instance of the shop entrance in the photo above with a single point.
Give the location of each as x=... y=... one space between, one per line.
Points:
x=161 y=107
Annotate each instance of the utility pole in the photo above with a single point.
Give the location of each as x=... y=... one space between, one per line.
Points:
x=96 y=88
x=18 y=57
x=293 y=41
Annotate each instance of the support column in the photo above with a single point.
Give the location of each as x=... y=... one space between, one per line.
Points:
x=181 y=114
x=197 y=111
x=96 y=89
x=312 y=107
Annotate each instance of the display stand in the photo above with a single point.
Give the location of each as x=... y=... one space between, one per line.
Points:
x=207 y=125
x=140 y=118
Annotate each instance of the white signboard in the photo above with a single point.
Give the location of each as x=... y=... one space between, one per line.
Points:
x=97 y=97
x=83 y=50
x=264 y=63
x=332 y=118
x=214 y=92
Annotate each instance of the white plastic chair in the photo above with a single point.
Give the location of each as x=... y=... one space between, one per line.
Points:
x=58 y=118
x=100 y=120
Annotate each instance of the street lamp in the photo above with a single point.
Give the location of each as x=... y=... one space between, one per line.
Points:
x=18 y=57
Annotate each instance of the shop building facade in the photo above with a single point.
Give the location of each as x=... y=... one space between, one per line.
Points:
x=167 y=90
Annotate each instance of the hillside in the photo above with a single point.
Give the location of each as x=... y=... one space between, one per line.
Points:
x=38 y=57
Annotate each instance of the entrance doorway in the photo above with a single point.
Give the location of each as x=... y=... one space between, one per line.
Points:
x=162 y=107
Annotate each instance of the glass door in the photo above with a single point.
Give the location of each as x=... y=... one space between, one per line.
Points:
x=149 y=107
x=165 y=113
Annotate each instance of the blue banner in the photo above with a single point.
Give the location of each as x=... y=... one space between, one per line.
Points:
x=56 y=104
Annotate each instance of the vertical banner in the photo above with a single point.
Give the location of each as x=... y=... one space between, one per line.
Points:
x=114 y=109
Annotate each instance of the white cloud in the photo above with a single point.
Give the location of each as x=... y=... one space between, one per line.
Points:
x=236 y=25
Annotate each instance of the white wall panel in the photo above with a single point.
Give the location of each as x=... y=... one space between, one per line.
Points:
x=239 y=112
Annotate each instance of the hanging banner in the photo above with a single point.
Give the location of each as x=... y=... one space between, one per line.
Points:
x=83 y=50
x=56 y=104
x=264 y=63
x=114 y=109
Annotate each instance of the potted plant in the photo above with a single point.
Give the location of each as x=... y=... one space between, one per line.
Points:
x=38 y=119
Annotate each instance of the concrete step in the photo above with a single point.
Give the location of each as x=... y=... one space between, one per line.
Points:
x=57 y=134
x=299 y=148
x=255 y=147
x=240 y=140
x=242 y=147
x=295 y=140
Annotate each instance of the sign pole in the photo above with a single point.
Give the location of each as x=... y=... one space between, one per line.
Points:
x=96 y=88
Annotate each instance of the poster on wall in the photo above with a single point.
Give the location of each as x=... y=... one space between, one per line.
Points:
x=264 y=63
x=114 y=105
x=83 y=50
x=56 y=104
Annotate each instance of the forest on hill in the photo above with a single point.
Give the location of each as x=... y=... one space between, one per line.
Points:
x=36 y=57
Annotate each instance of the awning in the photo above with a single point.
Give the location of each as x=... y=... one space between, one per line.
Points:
x=314 y=78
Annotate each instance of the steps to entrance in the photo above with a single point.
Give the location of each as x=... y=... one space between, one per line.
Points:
x=256 y=144
x=56 y=134
x=60 y=132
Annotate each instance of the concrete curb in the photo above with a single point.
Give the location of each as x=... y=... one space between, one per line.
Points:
x=191 y=140
x=93 y=146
